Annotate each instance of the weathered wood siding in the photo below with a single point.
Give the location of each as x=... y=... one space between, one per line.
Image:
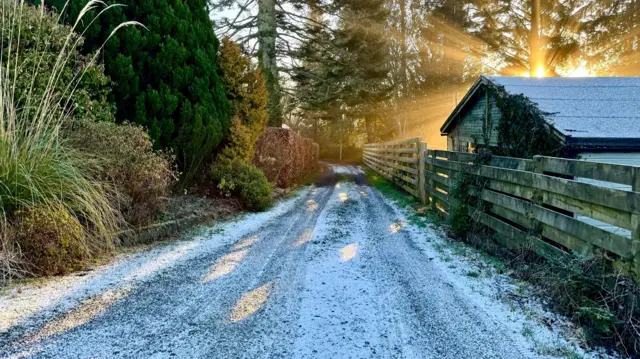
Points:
x=470 y=125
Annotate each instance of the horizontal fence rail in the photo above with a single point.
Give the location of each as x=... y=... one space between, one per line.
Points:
x=521 y=196
x=400 y=162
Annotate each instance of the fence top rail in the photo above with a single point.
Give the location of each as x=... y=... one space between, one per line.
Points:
x=608 y=197
x=396 y=142
x=512 y=163
x=607 y=172
x=394 y=150
x=622 y=174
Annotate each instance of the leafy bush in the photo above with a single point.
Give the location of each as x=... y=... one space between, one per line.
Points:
x=165 y=75
x=51 y=239
x=143 y=177
x=37 y=165
x=238 y=178
x=245 y=89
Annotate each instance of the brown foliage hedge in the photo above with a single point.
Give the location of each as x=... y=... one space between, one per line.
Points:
x=142 y=176
x=285 y=157
x=51 y=239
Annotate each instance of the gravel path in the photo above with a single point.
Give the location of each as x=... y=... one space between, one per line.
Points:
x=331 y=273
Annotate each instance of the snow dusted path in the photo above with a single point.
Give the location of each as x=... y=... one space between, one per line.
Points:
x=332 y=273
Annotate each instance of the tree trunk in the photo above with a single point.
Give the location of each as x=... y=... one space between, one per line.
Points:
x=267 y=33
x=368 y=121
x=403 y=65
x=535 y=64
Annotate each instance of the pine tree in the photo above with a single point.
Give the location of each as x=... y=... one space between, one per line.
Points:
x=165 y=75
x=344 y=76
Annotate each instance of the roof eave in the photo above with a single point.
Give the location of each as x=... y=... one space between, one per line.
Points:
x=482 y=80
x=603 y=142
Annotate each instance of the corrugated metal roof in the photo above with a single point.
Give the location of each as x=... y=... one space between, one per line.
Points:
x=594 y=107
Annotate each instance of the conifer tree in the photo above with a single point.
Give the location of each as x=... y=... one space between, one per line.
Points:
x=165 y=74
x=344 y=73
x=246 y=90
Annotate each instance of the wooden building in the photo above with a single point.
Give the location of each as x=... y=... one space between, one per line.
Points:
x=596 y=119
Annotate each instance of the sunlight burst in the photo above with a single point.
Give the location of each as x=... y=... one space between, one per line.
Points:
x=581 y=71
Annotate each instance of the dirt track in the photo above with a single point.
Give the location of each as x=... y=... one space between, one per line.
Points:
x=332 y=273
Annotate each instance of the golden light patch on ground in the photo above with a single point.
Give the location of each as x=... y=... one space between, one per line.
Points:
x=396 y=226
x=337 y=185
x=246 y=243
x=251 y=302
x=225 y=265
x=349 y=252
x=364 y=194
x=314 y=191
x=162 y=261
x=305 y=237
x=312 y=205
x=343 y=196
x=80 y=315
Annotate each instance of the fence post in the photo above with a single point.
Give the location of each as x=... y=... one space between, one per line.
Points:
x=432 y=184
x=422 y=148
x=635 y=222
x=538 y=164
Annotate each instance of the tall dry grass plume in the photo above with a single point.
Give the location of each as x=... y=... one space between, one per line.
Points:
x=38 y=167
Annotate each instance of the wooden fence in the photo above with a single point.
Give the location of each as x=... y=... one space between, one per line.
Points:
x=399 y=161
x=521 y=196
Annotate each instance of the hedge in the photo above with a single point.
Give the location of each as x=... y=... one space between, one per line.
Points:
x=285 y=157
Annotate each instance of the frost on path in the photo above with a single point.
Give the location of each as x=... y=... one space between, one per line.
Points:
x=336 y=272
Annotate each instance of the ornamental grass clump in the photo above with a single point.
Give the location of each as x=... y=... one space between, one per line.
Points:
x=38 y=166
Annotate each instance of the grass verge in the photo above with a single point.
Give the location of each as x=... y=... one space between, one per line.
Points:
x=420 y=215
